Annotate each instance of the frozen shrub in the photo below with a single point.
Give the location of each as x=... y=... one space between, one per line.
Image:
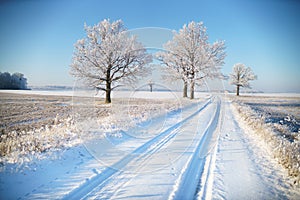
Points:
x=15 y=147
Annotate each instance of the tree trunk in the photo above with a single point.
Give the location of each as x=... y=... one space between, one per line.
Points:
x=185 y=87
x=192 y=90
x=108 y=87
x=237 y=90
x=108 y=92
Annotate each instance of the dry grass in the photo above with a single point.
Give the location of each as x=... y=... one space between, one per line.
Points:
x=31 y=124
x=284 y=145
x=28 y=112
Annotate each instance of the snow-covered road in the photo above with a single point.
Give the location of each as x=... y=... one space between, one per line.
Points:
x=153 y=168
x=167 y=159
x=243 y=168
x=201 y=153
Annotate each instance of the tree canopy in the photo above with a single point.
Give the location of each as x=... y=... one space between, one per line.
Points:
x=15 y=81
x=190 y=57
x=240 y=76
x=109 y=56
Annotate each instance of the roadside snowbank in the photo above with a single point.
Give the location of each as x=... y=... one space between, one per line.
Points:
x=286 y=152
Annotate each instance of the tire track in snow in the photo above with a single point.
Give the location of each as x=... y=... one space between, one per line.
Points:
x=141 y=159
x=148 y=170
x=190 y=179
x=150 y=146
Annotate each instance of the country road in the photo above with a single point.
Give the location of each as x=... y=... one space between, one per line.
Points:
x=199 y=152
x=154 y=168
x=162 y=161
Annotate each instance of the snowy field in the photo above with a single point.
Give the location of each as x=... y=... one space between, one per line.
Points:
x=148 y=146
x=275 y=120
x=282 y=112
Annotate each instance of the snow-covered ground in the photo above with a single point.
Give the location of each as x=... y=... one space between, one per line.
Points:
x=245 y=167
x=201 y=149
x=275 y=122
x=115 y=94
x=40 y=92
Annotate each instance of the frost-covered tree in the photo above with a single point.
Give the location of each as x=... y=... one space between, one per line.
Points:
x=107 y=56
x=240 y=76
x=19 y=81
x=16 y=81
x=190 y=57
x=175 y=68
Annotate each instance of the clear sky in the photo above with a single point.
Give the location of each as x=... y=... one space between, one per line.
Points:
x=37 y=36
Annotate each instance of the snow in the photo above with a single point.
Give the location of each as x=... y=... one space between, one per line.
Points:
x=43 y=174
x=279 y=94
x=236 y=175
x=190 y=177
x=158 y=159
x=40 y=92
x=267 y=119
x=115 y=94
x=149 y=163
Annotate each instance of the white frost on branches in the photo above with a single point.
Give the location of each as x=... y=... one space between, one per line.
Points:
x=241 y=76
x=107 y=56
x=190 y=57
x=13 y=81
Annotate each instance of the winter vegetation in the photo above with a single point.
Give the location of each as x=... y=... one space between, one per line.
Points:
x=47 y=122
x=191 y=58
x=276 y=122
x=147 y=129
x=109 y=56
x=15 y=81
x=34 y=124
x=240 y=76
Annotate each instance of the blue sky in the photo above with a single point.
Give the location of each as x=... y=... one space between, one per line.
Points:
x=37 y=36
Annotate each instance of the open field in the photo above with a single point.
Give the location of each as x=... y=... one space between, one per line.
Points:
x=78 y=147
x=275 y=123
x=281 y=112
x=37 y=123
x=24 y=112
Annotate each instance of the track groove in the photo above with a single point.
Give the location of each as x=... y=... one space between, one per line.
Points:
x=157 y=142
x=191 y=177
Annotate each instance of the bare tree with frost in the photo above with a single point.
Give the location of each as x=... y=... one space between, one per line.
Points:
x=190 y=57
x=107 y=56
x=175 y=68
x=241 y=76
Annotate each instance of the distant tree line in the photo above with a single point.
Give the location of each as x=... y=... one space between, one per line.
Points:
x=15 y=81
